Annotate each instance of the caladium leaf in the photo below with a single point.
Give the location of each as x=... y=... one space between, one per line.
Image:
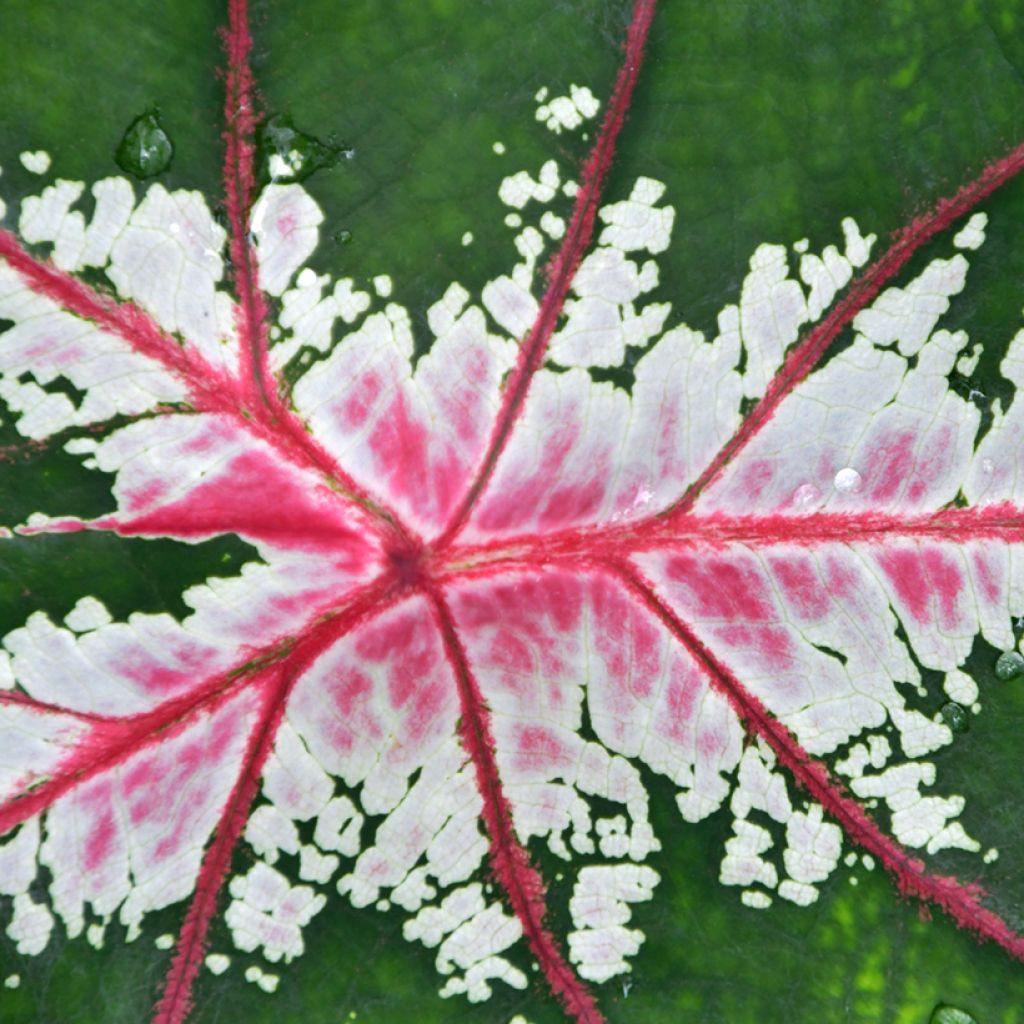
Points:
x=523 y=585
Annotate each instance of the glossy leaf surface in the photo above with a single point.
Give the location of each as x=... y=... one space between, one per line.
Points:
x=424 y=542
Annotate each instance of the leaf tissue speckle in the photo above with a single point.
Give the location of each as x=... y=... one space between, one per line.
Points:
x=533 y=585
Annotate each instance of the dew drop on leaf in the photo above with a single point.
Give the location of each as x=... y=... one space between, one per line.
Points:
x=847 y=479
x=805 y=496
x=943 y=1014
x=342 y=237
x=1009 y=665
x=285 y=154
x=146 y=149
x=955 y=716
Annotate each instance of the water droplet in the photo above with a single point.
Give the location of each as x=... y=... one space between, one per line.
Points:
x=285 y=154
x=805 y=496
x=146 y=149
x=943 y=1014
x=342 y=237
x=955 y=716
x=1009 y=665
x=847 y=479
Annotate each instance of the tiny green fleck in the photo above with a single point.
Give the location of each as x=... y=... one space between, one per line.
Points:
x=955 y=716
x=146 y=149
x=1009 y=665
x=943 y=1014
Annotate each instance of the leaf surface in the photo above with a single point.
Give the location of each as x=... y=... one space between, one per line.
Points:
x=528 y=583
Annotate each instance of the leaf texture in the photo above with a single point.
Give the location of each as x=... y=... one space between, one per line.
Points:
x=494 y=591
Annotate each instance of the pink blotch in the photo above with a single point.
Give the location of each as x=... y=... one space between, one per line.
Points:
x=423 y=712
x=286 y=224
x=571 y=504
x=775 y=647
x=539 y=750
x=629 y=643
x=145 y=496
x=524 y=605
x=215 y=431
x=258 y=497
x=529 y=490
x=905 y=571
x=796 y=575
x=826 y=466
x=185 y=660
x=463 y=407
x=400 y=449
x=167 y=846
x=396 y=634
x=450 y=477
x=647 y=654
x=139 y=776
x=100 y=843
x=511 y=653
x=44 y=348
x=711 y=744
x=564 y=600
x=754 y=478
x=402 y=453
x=843 y=582
x=358 y=402
x=351 y=694
x=412 y=665
x=947 y=580
x=720 y=588
x=681 y=696
x=936 y=462
x=988 y=577
x=887 y=466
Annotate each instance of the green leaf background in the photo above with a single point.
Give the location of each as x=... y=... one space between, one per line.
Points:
x=768 y=122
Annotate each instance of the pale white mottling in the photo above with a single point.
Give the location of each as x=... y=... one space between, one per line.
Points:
x=520 y=188
x=37 y=162
x=270 y=832
x=972 y=234
x=601 y=943
x=638 y=223
x=566 y=113
x=285 y=225
x=31 y=926
x=756 y=899
x=217 y=963
x=471 y=934
x=88 y=613
x=268 y=913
